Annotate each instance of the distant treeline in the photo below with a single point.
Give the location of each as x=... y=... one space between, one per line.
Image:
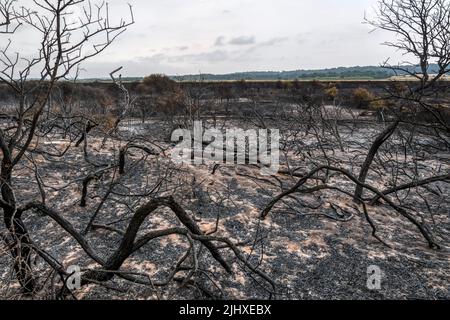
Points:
x=335 y=73
x=341 y=73
x=351 y=73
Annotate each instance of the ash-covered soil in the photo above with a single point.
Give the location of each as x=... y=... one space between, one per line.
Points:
x=314 y=246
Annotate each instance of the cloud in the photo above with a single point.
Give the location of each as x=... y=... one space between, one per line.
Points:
x=167 y=63
x=302 y=37
x=209 y=56
x=237 y=41
x=142 y=66
x=273 y=41
x=242 y=41
x=220 y=41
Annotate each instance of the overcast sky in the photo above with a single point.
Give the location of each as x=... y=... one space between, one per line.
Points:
x=224 y=36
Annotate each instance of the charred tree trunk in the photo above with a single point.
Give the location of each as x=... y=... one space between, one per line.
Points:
x=128 y=242
x=385 y=135
x=84 y=190
x=122 y=153
x=88 y=129
x=20 y=241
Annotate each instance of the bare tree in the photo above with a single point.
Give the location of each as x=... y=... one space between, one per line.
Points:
x=422 y=29
x=65 y=43
x=422 y=33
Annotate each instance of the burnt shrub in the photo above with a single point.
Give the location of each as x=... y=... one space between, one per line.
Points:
x=361 y=98
x=158 y=94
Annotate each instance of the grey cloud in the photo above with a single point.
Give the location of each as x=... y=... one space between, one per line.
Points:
x=248 y=40
x=137 y=67
x=213 y=56
x=268 y=43
x=273 y=41
x=242 y=41
x=220 y=41
x=301 y=38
